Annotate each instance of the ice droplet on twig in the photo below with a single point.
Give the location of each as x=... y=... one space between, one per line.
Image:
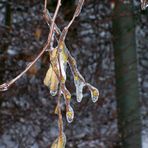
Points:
x=53 y=93
x=79 y=84
x=70 y=114
x=94 y=94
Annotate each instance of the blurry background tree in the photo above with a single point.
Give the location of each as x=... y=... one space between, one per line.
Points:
x=27 y=110
x=128 y=102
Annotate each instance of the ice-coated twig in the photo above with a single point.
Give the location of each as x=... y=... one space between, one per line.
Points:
x=78 y=78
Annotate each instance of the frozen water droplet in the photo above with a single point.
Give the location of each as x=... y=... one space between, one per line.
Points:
x=79 y=89
x=53 y=93
x=94 y=98
x=94 y=95
x=70 y=114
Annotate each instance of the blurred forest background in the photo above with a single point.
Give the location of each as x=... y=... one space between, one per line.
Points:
x=27 y=118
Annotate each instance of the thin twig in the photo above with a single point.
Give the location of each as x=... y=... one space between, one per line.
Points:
x=58 y=32
x=48 y=20
x=6 y=85
x=76 y=14
x=65 y=30
x=62 y=38
x=62 y=34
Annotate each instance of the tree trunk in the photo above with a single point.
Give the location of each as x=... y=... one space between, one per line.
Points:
x=127 y=91
x=8 y=14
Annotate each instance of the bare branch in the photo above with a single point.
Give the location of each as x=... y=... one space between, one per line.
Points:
x=77 y=12
x=6 y=85
x=71 y=60
x=48 y=20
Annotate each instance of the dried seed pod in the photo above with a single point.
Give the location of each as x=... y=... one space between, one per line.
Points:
x=54 y=55
x=51 y=81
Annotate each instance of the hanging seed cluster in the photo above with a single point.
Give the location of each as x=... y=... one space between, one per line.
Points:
x=55 y=78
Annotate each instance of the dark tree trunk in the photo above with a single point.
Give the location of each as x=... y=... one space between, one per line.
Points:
x=8 y=14
x=127 y=91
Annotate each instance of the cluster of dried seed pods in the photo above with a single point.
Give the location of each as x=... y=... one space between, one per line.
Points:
x=54 y=78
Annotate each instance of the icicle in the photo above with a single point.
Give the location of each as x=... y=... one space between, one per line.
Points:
x=79 y=84
x=94 y=94
x=70 y=114
x=51 y=81
x=53 y=93
x=60 y=142
x=78 y=79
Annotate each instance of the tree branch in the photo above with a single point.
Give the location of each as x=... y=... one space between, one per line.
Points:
x=6 y=85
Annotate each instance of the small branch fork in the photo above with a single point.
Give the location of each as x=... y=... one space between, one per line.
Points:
x=53 y=29
x=62 y=37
